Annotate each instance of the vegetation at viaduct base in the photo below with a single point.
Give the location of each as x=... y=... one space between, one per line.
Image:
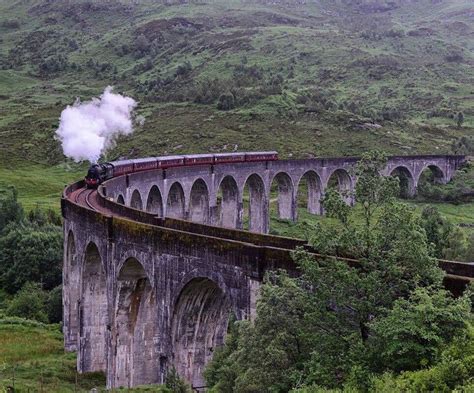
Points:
x=387 y=324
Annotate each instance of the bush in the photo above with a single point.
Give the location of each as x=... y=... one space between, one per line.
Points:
x=414 y=331
x=54 y=307
x=175 y=383
x=10 y=209
x=29 y=303
x=455 y=371
x=226 y=102
x=30 y=253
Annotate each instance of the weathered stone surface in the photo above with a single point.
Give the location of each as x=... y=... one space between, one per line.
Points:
x=143 y=294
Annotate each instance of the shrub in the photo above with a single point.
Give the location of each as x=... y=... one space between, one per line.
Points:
x=226 y=102
x=29 y=303
x=54 y=307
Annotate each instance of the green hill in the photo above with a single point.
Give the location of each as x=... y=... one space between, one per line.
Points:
x=305 y=78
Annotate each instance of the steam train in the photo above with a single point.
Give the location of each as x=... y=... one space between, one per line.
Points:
x=98 y=173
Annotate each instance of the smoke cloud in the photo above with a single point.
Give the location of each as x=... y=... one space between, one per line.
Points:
x=88 y=129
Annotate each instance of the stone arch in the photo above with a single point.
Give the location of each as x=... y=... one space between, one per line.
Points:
x=121 y=199
x=93 y=312
x=154 y=203
x=310 y=184
x=136 y=200
x=228 y=203
x=199 y=325
x=286 y=201
x=257 y=204
x=342 y=181
x=436 y=174
x=71 y=293
x=135 y=327
x=199 y=202
x=175 y=205
x=407 y=181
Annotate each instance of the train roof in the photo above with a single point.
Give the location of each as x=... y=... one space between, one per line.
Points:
x=121 y=162
x=229 y=154
x=198 y=155
x=144 y=160
x=255 y=153
x=169 y=158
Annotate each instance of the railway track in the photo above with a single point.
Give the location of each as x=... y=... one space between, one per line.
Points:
x=82 y=197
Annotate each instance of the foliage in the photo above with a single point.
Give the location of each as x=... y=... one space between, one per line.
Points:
x=459 y=190
x=30 y=253
x=10 y=209
x=416 y=329
x=437 y=229
x=220 y=372
x=175 y=383
x=54 y=305
x=453 y=372
x=226 y=102
x=338 y=324
x=29 y=303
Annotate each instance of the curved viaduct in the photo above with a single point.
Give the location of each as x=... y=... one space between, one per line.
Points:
x=148 y=284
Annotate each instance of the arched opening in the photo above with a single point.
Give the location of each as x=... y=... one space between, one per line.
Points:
x=175 y=203
x=228 y=203
x=120 y=199
x=406 y=182
x=309 y=192
x=282 y=199
x=154 y=203
x=255 y=205
x=341 y=181
x=93 y=313
x=430 y=176
x=135 y=311
x=199 y=202
x=71 y=294
x=200 y=321
x=136 y=201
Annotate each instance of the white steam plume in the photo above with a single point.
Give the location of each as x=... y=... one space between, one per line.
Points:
x=88 y=129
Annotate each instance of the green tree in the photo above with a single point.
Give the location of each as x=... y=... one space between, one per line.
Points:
x=439 y=231
x=226 y=102
x=30 y=253
x=175 y=384
x=142 y=44
x=454 y=247
x=453 y=372
x=318 y=329
x=413 y=333
x=54 y=305
x=10 y=209
x=460 y=119
x=29 y=303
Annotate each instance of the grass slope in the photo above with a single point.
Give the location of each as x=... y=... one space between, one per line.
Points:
x=323 y=78
x=32 y=359
x=307 y=79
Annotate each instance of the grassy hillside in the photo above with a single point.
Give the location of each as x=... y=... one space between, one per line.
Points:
x=32 y=359
x=314 y=79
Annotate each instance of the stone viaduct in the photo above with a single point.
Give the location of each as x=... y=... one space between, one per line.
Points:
x=155 y=263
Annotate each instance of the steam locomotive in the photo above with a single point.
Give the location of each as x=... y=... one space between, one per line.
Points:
x=98 y=173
